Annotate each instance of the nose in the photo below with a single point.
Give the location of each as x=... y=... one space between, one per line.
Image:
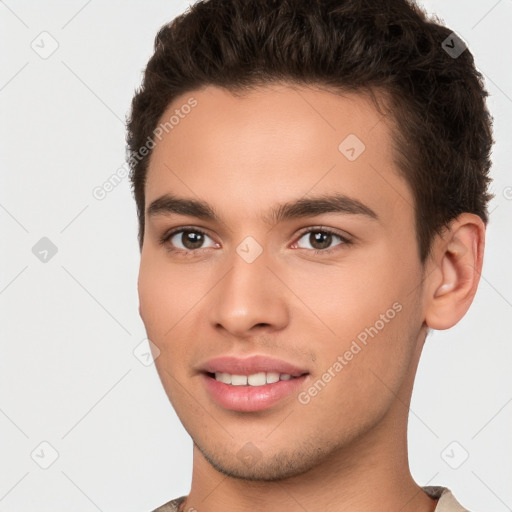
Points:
x=249 y=299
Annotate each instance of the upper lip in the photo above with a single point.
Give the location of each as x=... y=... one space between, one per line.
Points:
x=250 y=365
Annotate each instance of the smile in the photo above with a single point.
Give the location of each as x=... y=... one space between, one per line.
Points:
x=255 y=379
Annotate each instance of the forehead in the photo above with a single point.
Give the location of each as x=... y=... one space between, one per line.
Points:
x=245 y=153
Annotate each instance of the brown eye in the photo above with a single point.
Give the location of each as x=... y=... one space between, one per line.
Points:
x=186 y=240
x=321 y=240
x=191 y=239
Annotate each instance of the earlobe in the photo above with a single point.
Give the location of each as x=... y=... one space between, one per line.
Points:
x=457 y=264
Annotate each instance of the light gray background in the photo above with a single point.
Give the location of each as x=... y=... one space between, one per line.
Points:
x=69 y=376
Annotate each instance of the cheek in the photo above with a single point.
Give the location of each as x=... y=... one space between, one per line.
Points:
x=365 y=313
x=163 y=312
x=166 y=294
x=355 y=383
x=153 y=298
x=170 y=298
x=160 y=298
x=343 y=299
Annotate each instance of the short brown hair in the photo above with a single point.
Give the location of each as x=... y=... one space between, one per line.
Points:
x=389 y=47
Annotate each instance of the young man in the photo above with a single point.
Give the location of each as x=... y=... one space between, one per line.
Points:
x=311 y=182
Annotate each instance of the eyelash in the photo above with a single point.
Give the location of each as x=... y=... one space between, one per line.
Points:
x=167 y=236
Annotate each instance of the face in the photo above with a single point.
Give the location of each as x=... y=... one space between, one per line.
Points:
x=329 y=287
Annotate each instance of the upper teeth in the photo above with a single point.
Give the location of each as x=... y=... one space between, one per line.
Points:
x=256 y=379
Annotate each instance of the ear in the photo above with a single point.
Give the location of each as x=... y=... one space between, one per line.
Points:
x=453 y=272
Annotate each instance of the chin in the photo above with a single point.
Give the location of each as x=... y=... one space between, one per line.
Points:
x=262 y=468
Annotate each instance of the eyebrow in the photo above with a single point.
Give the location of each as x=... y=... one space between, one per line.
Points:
x=169 y=204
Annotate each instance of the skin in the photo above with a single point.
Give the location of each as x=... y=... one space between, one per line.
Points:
x=347 y=448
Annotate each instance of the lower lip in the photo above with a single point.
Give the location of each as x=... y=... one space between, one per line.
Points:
x=251 y=398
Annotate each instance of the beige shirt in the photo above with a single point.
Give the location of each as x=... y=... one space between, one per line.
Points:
x=446 y=503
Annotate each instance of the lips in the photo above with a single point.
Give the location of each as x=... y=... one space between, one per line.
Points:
x=246 y=396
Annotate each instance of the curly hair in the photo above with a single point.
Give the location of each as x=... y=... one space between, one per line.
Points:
x=442 y=132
